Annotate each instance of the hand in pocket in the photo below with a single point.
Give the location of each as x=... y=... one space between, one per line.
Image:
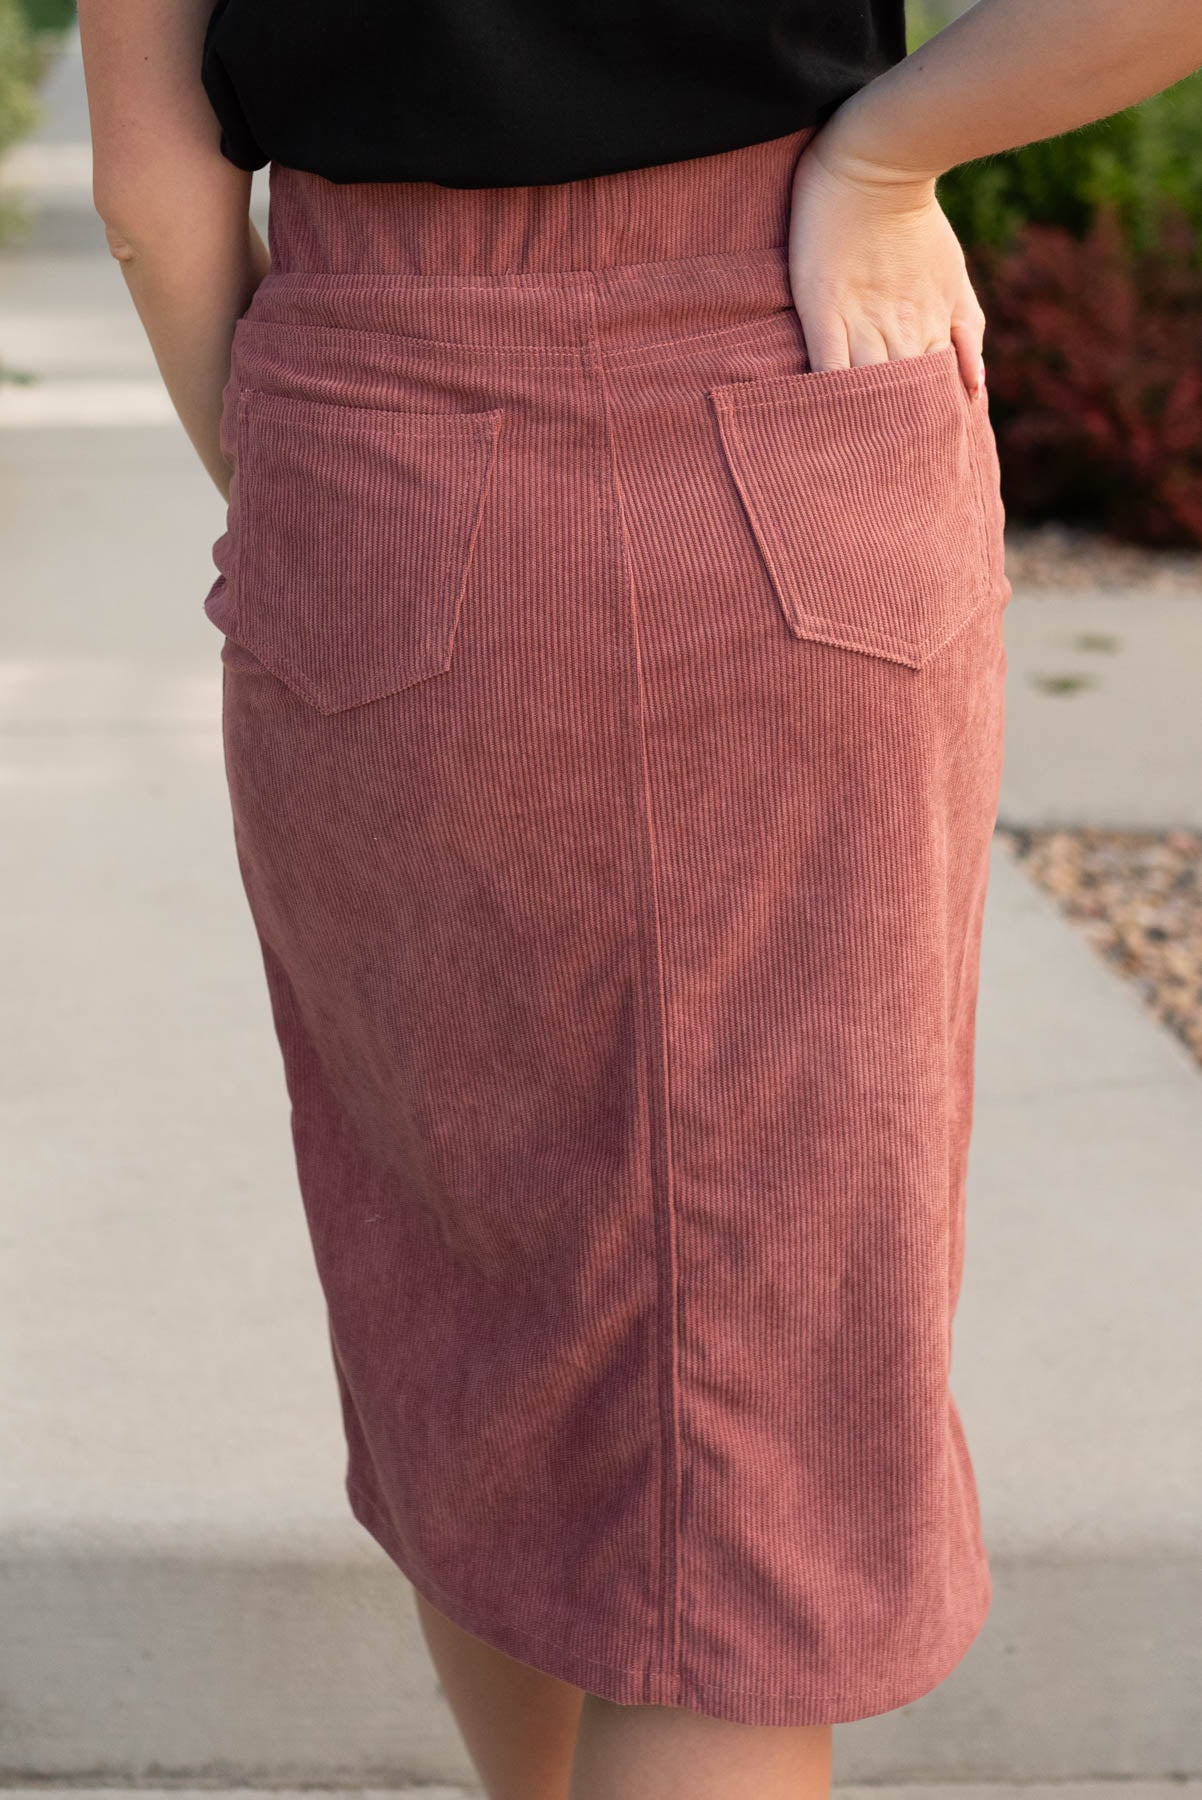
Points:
x=876 y=270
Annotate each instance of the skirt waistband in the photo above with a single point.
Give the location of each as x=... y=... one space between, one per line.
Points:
x=635 y=257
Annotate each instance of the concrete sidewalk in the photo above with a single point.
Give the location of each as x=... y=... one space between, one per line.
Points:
x=1103 y=717
x=184 y=1593
x=1085 y=1790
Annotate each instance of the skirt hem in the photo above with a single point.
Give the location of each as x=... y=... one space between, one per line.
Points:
x=638 y=1687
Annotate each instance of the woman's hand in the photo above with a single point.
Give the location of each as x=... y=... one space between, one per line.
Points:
x=876 y=270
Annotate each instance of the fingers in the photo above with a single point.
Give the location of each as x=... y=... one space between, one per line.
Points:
x=836 y=343
x=878 y=278
x=969 y=342
x=968 y=335
x=869 y=344
x=842 y=340
x=827 y=345
x=838 y=340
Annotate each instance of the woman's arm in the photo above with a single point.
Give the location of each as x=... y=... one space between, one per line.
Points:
x=876 y=270
x=176 y=212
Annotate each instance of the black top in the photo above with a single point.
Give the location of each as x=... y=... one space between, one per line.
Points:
x=500 y=93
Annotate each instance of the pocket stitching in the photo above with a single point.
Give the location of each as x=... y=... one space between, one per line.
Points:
x=433 y=423
x=486 y=423
x=863 y=378
x=911 y=653
x=993 y=551
x=819 y=628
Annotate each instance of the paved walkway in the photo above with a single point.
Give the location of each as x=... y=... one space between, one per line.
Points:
x=1103 y=720
x=1084 y=1790
x=183 y=1589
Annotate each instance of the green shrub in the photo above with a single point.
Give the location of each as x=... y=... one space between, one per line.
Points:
x=19 y=69
x=1094 y=357
x=1086 y=253
x=1141 y=165
x=49 y=15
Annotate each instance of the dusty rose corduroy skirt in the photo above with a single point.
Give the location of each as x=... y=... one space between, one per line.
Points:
x=613 y=723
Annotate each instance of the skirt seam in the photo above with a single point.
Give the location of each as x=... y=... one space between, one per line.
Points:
x=651 y=962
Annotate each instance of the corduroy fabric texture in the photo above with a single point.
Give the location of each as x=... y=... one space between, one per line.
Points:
x=613 y=722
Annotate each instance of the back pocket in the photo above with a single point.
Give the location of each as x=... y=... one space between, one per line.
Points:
x=869 y=494
x=349 y=542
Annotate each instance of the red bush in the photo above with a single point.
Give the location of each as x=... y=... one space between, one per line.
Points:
x=1094 y=359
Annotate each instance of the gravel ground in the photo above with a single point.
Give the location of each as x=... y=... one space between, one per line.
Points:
x=1064 y=557
x=1137 y=896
